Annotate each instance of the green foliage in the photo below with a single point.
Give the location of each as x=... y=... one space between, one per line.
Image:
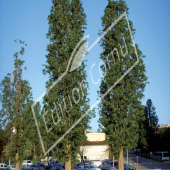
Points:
x=150 y=138
x=143 y=126
x=15 y=115
x=121 y=109
x=151 y=113
x=66 y=27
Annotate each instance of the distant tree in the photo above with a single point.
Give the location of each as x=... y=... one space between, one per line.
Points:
x=153 y=118
x=165 y=138
x=150 y=138
x=121 y=109
x=99 y=130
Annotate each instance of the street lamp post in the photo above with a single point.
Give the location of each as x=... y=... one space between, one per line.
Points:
x=82 y=150
x=83 y=159
x=137 y=161
x=113 y=157
x=127 y=156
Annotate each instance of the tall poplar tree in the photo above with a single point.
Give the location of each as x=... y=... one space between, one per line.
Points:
x=67 y=101
x=16 y=100
x=121 y=109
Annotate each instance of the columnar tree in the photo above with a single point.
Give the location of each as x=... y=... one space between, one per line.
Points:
x=151 y=126
x=151 y=113
x=67 y=101
x=121 y=108
x=16 y=100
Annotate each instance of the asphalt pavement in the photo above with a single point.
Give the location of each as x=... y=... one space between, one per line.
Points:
x=142 y=163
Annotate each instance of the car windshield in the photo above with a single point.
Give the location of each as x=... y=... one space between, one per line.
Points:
x=165 y=155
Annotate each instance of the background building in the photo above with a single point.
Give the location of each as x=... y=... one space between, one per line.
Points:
x=95 y=148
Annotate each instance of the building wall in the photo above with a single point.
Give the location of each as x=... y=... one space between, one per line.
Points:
x=96 y=136
x=93 y=152
x=98 y=150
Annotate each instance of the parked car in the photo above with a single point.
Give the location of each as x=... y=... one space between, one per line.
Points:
x=30 y=167
x=23 y=167
x=75 y=167
x=127 y=167
x=61 y=164
x=12 y=167
x=77 y=164
x=87 y=162
x=106 y=166
x=90 y=167
x=81 y=165
x=96 y=163
x=3 y=166
x=107 y=160
x=57 y=167
x=40 y=166
x=162 y=156
x=115 y=163
x=50 y=164
x=27 y=162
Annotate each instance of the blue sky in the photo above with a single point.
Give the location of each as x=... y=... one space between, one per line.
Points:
x=27 y=20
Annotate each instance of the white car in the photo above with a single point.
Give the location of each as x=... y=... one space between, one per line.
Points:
x=12 y=167
x=3 y=166
x=26 y=163
x=96 y=163
x=81 y=166
x=90 y=167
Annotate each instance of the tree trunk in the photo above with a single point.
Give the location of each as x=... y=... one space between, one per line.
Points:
x=68 y=164
x=2 y=159
x=35 y=156
x=17 y=164
x=121 y=162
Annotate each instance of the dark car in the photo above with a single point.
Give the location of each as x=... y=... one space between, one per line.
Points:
x=30 y=167
x=106 y=166
x=51 y=164
x=40 y=166
x=127 y=167
x=75 y=167
x=115 y=163
x=57 y=167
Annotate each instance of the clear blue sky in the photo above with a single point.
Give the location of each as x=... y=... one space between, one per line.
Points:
x=27 y=20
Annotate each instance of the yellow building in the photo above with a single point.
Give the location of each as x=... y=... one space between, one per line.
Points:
x=95 y=148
